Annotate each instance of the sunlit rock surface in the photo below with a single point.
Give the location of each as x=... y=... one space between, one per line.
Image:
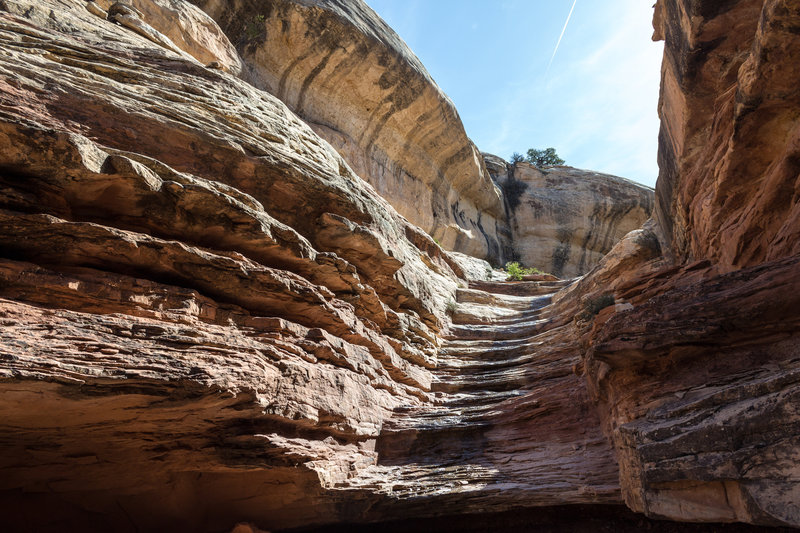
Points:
x=213 y=276
x=698 y=370
x=343 y=70
x=728 y=150
x=564 y=220
x=211 y=321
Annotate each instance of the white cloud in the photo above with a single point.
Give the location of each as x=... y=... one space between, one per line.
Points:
x=611 y=107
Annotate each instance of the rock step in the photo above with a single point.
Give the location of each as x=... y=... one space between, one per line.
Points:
x=471 y=315
x=466 y=348
x=481 y=297
x=520 y=288
x=495 y=361
x=497 y=332
x=491 y=368
x=459 y=409
x=480 y=365
x=480 y=308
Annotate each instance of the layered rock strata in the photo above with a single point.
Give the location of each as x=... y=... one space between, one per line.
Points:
x=564 y=220
x=700 y=380
x=729 y=141
x=511 y=424
x=697 y=371
x=209 y=318
x=189 y=276
x=343 y=70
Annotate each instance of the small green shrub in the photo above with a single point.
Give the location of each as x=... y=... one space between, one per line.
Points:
x=451 y=307
x=489 y=274
x=598 y=303
x=255 y=26
x=515 y=271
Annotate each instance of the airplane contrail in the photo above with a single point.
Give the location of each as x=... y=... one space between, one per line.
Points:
x=562 y=34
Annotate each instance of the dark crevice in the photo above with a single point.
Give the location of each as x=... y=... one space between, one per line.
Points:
x=559 y=519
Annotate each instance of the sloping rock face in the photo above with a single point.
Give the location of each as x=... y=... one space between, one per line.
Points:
x=193 y=286
x=697 y=372
x=563 y=219
x=209 y=318
x=343 y=70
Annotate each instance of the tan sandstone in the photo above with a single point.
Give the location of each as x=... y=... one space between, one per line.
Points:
x=563 y=219
x=343 y=70
x=211 y=321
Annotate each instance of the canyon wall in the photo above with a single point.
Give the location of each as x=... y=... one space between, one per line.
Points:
x=211 y=316
x=564 y=220
x=697 y=373
x=729 y=136
x=194 y=286
x=343 y=70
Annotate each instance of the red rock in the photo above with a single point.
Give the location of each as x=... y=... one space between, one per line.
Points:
x=698 y=380
x=539 y=277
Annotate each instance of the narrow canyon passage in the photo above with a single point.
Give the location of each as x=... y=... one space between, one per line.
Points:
x=511 y=436
x=236 y=240
x=511 y=423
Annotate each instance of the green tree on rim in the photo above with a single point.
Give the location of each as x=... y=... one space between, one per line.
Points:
x=544 y=158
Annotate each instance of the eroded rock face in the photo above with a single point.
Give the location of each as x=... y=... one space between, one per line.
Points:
x=702 y=384
x=217 y=282
x=563 y=219
x=730 y=139
x=343 y=70
x=696 y=367
x=209 y=318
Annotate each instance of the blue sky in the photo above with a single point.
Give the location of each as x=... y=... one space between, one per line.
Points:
x=597 y=102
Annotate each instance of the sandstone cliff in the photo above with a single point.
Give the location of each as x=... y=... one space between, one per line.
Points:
x=208 y=317
x=564 y=220
x=356 y=83
x=698 y=372
x=220 y=288
x=343 y=70
x=729 y=137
